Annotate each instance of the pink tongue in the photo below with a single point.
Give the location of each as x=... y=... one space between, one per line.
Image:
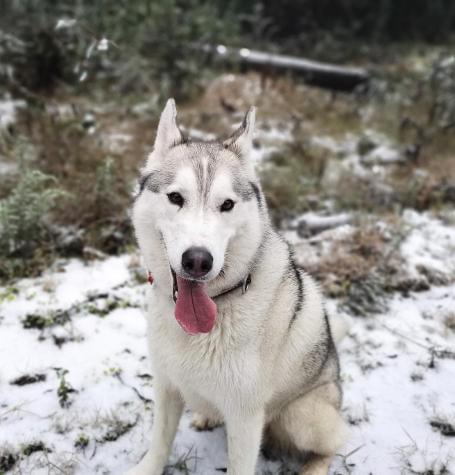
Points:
x=194 y=309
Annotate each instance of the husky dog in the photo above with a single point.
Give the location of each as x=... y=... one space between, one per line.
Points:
x=237 y=333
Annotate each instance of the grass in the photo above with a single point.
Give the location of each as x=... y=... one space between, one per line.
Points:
x=29 y=379
x=186 y=463
x=97 y=178
x=81 y=441
x=7 y=460
x=116 y=427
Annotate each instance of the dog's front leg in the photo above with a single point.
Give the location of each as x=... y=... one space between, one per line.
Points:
x=167 y=412
x=244 y=433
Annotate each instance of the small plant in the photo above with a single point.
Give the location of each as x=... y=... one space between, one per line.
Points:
x=8 y=294
x=81 y=441
x=114 y=371
x=64 y=388
x=23 y=212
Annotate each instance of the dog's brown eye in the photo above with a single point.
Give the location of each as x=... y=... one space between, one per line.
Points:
x=176 y=199
x=227 y=205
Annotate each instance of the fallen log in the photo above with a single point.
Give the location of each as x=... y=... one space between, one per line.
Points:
x=326 y=75
x=311 y=225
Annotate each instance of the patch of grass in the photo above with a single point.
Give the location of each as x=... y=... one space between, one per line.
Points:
x=357 y=416
x=81 y=441
x=351 y=259
x=288 y=177
x=113 y=371
x=7 y=461
x=443 y=426
x=117 y=428
x=40 y=322
x=33 y=447
x=29 y=379
x=186 y=463
x=105 y=307
x=8 y=294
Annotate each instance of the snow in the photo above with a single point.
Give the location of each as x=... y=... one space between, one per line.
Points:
x=398 y=372
x=64 y=23
x=430 y=244
x=383 y=154
x=8 y=111
x=392 y=392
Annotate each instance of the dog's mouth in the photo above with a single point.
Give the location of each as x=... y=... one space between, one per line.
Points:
x=194 y=309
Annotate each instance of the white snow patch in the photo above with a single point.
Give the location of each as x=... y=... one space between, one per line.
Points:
x=394 y=382
x=430 y=244
x=8 y=111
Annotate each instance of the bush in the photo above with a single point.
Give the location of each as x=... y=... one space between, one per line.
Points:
x=126 y=40
x=23 y=213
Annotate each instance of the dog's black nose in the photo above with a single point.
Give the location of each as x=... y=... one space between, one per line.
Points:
x=197 y=262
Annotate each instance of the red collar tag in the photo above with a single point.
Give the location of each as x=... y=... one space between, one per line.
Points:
x=150 y=277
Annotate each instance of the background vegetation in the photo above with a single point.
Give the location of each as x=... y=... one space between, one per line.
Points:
x=90 y=74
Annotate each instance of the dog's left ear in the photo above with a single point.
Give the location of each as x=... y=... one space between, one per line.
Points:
x=241 y=141
x=168 y=133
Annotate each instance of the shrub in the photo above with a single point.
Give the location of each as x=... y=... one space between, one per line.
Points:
x=23 y=213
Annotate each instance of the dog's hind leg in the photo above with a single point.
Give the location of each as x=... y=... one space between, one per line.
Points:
x=202 y=422
x=312 y=424
x=167 y=412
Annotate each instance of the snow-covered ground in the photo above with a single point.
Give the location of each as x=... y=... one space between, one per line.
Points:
x=76 y=393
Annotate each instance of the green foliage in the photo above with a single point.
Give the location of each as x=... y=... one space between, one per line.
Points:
x=23 y=213
x=81 y=441
x=161 y=39
x=64 y=388
x=168 y=33
x=289 y=178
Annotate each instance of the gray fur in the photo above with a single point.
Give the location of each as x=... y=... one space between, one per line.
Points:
x=268 y=365
x=206 y=158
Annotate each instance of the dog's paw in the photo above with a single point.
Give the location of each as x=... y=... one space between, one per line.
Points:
x=201 y=422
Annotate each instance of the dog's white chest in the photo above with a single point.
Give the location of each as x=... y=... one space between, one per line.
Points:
x=214 y=366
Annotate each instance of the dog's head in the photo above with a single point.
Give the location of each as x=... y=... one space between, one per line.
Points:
x=201 y=202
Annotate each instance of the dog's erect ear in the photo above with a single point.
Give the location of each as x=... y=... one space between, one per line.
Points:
x=168 y=132
x=241 y=140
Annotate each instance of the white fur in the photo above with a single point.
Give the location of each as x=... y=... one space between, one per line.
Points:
x=248 y=370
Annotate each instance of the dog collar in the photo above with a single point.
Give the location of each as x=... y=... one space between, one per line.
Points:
x=243 y=284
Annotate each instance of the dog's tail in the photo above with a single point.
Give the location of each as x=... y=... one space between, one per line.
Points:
x=339 y=327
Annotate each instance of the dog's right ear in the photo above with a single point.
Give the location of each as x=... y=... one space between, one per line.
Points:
x=168 y=133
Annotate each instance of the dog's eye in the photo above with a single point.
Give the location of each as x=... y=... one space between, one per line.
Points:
x=227 y=205
x=176 y=199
